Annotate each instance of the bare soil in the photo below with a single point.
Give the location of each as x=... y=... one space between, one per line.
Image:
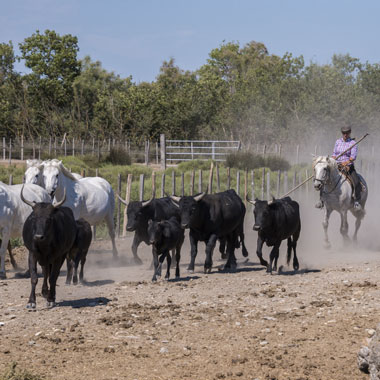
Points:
x=308 y=324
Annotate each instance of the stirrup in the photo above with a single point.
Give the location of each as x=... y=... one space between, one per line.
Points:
x=319 y=204
x=357 y=206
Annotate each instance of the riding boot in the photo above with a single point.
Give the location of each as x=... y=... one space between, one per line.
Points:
x=357 y=188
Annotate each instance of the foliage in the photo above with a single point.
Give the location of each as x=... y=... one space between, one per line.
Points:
x=118 y=156
x=242 y=92
x=248 y=160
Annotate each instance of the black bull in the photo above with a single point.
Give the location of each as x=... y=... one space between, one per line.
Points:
x=275 y=221
x=211 y=217
x=139 y=213
x=49 y=233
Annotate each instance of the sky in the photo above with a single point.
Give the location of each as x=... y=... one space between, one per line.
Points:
x=133 y=38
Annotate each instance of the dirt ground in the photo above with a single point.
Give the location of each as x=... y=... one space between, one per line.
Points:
x=243 y=325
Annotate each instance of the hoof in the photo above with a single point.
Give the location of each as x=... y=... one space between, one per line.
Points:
x=68 y=282
x=3 y=276
x=229 y=269
x=190 y=270
x=224 y=256
x=31 y=305
x=327 y=246
x=296 y=267
x=50 y=304
x=25 y=274
x=207 y=270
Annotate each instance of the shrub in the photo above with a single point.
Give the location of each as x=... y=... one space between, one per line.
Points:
x=247 y=160
x=118 y=156
x=194 y=165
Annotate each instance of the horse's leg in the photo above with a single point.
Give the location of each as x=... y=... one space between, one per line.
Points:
x=13 y=261
x=135 y=243
x=344 y=225
x=325 y=225
x=111 y=232
x=3 y=249
x=359 y=216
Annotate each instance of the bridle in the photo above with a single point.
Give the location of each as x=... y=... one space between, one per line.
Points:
x=326 y=178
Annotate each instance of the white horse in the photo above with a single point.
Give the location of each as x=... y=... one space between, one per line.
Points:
x=90 y=198
x=337 y=194
x=34 y=169
x=13 y=213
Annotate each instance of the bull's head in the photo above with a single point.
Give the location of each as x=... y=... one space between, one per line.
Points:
x=43 y=215
x=155 y=230
x=263 y=214
x=188 y=208
x=137 y=212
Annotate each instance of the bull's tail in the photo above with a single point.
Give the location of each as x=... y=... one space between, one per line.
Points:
x=289 y=255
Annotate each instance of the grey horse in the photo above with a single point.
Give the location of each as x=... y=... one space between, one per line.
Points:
x=337 y=195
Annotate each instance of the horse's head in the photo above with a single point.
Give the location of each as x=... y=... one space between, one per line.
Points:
x=322 y=170
x=33 y=173
x=51 y=177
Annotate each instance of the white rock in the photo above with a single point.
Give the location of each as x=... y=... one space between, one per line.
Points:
x=164 y=350
x=263 y=343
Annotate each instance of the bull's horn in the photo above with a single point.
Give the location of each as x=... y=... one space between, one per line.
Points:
x=200 y=196
x=272 y=200
x=122 y=200
x=62 y=201
x=31 y=204
x=146 y=203
x=175 y=198
x=248 y=200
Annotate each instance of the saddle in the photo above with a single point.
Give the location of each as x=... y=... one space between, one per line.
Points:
x=344 y=170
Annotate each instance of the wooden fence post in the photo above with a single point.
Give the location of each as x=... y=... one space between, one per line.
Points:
x=22 y=148
x=182 y=184
x=268 y=185
x=4 y=149
x=141 y=192
x=73 y=150
x=55 y=146
x=238 y=182
x=228 y=178
x=252 y=184
x=192 y=183
x=10 y=151
x=127 y=199
x=118 y=217
x=82 y=148
x=210 y=178
x=10 y=179
x=153 y=184
x=200 y=181
x=285 y=182
x=65 y=146
x=262 y=184
x=173 y=182
x=156 y=153
x=98 y=150
x=217 y=179
x=245 y=186
x=163 y=185
x=278 y=183
x=163 y=151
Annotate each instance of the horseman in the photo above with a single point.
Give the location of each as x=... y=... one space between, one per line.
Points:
x=346 y=164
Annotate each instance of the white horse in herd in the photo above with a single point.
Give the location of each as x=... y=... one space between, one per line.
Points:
x=337 y=195
x=90 y=198
x=14 y=212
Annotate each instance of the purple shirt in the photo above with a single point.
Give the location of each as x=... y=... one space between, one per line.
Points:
x=341 y=146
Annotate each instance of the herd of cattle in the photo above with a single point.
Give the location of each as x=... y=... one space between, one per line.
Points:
x=53 y=211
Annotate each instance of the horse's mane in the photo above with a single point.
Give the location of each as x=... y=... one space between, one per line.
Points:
x=331 y=162
x=58 y=164
x=34 y=163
